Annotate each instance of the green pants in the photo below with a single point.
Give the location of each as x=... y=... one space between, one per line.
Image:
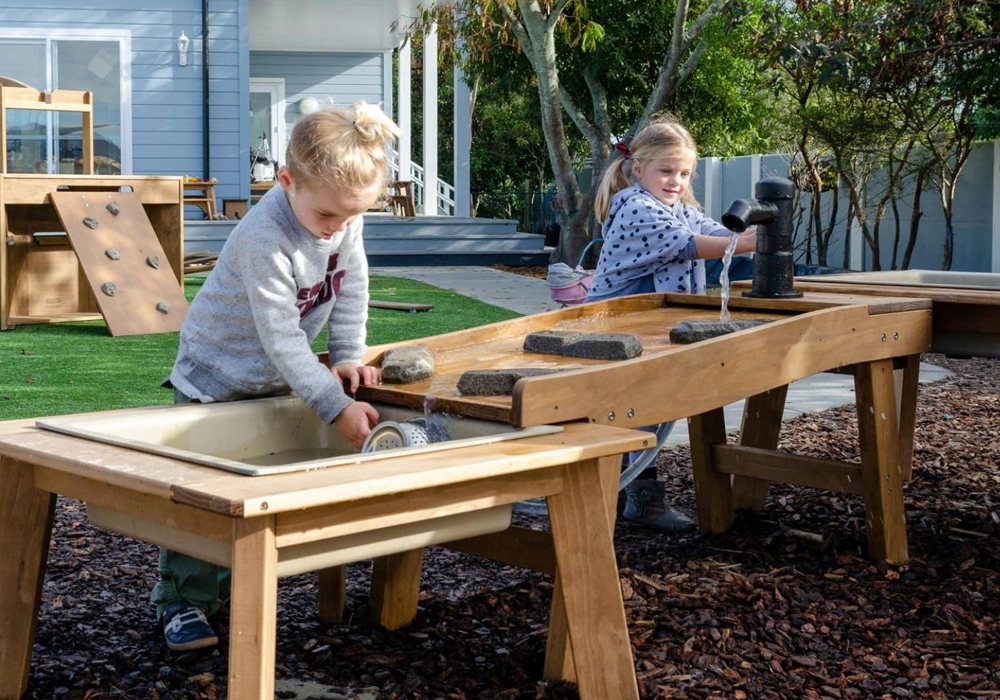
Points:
x=184 y=578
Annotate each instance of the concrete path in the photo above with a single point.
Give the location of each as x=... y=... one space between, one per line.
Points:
x=529 y=295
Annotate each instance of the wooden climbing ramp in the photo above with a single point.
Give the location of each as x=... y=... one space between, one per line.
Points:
x=123 y=261
x=54 y=267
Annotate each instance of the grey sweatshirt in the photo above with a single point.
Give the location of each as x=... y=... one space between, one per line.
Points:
x=643 y=236
x=274 y=287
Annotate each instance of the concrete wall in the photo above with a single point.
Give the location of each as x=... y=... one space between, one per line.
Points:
x=976 y=225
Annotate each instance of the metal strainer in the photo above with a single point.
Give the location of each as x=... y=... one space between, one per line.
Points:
x=390 y=435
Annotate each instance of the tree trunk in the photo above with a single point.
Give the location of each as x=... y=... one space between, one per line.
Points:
x=541 y=52
x=916 y=214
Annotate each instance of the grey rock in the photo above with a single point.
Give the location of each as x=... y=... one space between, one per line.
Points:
x=687 y=332
x=497 y=382
x=592 y=346
x=408 y=364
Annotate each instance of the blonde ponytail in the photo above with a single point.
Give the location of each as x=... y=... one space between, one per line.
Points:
x=341 y=147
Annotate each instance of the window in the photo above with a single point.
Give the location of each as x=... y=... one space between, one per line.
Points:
x=52 y=142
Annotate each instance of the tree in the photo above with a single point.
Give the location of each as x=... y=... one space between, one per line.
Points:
x=888 y=87
x=577 y=72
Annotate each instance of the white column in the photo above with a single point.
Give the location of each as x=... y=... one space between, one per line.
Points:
x=463 y=145
x=430 y=96
x=404 y=102
x=995 y=267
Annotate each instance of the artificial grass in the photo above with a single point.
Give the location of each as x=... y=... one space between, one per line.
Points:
x=59 y=368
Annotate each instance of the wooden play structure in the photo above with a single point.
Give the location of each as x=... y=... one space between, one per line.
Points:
x=79 y=247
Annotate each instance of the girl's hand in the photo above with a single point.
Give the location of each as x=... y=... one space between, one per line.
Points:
x=747 y=242
x=356 y=422
x=354 y=375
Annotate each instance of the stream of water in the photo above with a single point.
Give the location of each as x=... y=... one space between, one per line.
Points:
x=734 y=238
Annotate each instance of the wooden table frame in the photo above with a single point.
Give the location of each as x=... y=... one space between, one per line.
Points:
x=200 y=510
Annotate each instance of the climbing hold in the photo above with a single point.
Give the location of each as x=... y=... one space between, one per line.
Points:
x=90 y=222
x=113 y=254
x=109 y=288
x=114 y=208
x=163 y=307
x=153 y=261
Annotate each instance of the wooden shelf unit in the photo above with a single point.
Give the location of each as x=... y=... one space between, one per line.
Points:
x=19 y=96
x=41 y=279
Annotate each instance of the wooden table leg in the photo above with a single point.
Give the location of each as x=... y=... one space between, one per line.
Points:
x=907 y=381
x=253 y=610
x=760 y=428
x=395 y=591
x=591 y=592
x=558 y=650
x=713 y=492
x=332 y=587
x=880 y=466
x=26 y=523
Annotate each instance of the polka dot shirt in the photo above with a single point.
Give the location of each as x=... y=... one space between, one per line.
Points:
x=645 y=237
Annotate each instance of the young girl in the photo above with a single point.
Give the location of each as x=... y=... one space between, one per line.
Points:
x=655 y=236
x=294 y=264
x=655 y=240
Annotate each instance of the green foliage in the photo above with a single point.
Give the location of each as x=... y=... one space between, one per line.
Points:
x=52 y=369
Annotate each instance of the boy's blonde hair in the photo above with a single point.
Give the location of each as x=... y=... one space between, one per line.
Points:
x=341 y=147
x=663 y=135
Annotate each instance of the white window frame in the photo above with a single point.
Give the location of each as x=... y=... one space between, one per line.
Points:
x=277 y=140
x=124 y=39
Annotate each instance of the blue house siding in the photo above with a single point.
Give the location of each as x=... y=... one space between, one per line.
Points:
x=164 y=99
x=332 y=78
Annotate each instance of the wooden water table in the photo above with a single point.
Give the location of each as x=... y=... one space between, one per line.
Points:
x=872 y=338
x=966 y=304
x=335 y=510
x=263 y=527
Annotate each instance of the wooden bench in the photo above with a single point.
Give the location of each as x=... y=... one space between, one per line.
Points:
x=203 y=197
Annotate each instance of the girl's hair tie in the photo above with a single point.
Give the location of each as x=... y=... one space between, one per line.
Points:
x=622 y=148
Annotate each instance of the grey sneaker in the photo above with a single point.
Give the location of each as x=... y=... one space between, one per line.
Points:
x=645 y=505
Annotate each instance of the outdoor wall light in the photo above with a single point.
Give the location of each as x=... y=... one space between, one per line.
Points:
x=182 y=48
x=308 y=105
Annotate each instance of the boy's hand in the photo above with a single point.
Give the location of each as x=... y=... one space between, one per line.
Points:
x=356 y=422
x=354 y=375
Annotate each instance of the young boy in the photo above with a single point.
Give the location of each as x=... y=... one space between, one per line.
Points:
x=294 y=264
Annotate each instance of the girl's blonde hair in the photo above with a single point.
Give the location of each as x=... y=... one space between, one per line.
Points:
x=341 y=147
x=657 y=139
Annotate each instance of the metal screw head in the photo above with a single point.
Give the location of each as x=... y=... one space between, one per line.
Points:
x=611 y=415
x=883 y=337
x=631 y=413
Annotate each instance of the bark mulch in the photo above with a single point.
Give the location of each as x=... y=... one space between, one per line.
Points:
x=786 y=605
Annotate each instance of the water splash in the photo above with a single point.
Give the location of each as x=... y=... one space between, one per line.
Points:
x=727 y=258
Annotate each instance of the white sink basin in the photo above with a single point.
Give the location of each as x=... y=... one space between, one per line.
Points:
x=264 y=436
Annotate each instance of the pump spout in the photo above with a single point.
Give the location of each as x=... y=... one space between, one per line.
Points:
x=771 y=211
x=742 y=214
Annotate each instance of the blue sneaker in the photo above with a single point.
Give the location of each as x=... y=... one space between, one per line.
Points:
x=185 y=627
